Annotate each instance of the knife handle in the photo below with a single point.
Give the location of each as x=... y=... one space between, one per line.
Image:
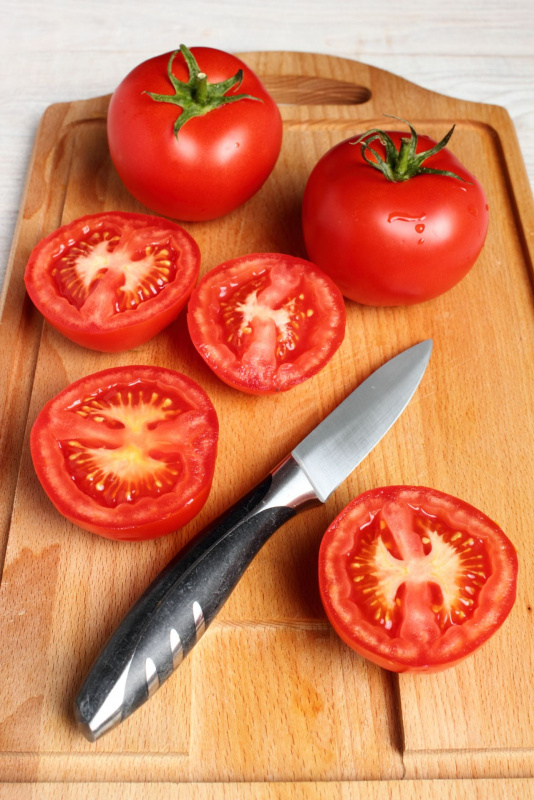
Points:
x=172 y=614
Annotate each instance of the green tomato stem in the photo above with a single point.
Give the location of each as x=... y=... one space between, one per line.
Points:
x=200 y=90
x=197 y=96
x=404 y=163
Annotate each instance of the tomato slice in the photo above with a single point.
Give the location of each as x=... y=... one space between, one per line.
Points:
x=127 y=453
x=414 y=579
x=266 y=322
x=112 y=281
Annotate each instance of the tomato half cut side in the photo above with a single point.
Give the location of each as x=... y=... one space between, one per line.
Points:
x=114 y=280
x=415 y=580
x=127 y=453
x=266 y=322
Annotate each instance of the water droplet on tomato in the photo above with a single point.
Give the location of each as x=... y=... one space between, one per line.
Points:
x=419 y=228
x=400 y=216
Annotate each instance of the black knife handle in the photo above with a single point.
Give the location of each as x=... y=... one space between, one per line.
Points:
x=174 y=611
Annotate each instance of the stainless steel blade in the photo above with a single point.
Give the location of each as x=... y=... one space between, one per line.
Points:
x=341 y=441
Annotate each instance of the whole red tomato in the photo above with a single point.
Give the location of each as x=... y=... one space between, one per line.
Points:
x=393 y=220
x=414 y=579
x=193 y=134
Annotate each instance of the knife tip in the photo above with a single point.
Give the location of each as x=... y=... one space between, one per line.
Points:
x=425 y=348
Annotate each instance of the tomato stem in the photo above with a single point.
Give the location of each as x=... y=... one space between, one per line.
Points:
x=200 y=92
x=404 y=163
x=197 y=96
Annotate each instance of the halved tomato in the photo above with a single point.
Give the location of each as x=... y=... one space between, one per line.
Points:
x=112 y=281
x=127 y=453
x=414 y=579
x=266 y=322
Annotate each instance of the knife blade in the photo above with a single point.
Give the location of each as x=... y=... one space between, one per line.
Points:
x=173 y=613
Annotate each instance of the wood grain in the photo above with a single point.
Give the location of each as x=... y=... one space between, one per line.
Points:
x=272 y=694
x=504 y=789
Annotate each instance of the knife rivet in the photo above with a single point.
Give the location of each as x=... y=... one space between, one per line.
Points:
x=200 y=622
x=152 y=678
x=176 y=648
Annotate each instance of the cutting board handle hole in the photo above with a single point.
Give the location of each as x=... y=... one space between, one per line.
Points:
x=310 y=90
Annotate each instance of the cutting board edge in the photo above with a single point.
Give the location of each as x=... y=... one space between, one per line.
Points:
x=75 y=110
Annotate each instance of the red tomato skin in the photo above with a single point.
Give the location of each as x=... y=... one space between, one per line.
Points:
x=147 y=520
x=208 y=339
x=119 y=341
x=495 y=605
x=218 y=161
x=386 y=243
x=154 y=529
x=126 y=332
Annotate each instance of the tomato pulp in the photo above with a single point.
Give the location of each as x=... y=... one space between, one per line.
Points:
x=127 y=453
x=216 y=161
x=392 y=243
x=112 y=281
x=266 y=322
x=414 y=579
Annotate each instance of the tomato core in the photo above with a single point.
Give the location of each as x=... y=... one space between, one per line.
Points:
x=77 y=267
x=133 y=468
x=258 y=302
x=142 y=275
x=390 y=564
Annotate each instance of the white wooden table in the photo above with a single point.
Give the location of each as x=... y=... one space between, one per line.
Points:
x=60 y=51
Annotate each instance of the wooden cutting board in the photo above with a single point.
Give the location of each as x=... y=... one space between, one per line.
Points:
x=271 y=694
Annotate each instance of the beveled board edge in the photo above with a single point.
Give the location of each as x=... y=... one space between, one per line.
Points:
x=474 y=789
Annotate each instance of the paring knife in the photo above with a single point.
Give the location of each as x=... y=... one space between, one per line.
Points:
x=173 y=613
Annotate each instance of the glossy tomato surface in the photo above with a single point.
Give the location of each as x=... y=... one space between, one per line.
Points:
x=216 y=162
x=266 y=322
x=387 y=243
x=127 y=453
x=112 y=281
x=414 y=579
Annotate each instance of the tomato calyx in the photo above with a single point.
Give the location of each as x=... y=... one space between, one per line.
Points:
x=404 y=163
x=197 y=96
